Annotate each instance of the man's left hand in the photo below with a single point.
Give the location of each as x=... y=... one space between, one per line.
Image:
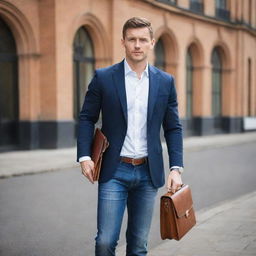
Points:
x=174 y=182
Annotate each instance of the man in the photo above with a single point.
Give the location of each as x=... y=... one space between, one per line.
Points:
x=135 y=99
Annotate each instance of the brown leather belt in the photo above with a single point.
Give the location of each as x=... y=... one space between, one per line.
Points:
x=134 y=161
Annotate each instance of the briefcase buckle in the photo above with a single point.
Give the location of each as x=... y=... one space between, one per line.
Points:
x=187 y=213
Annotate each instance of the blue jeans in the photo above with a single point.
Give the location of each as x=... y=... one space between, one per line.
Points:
x=131 y=186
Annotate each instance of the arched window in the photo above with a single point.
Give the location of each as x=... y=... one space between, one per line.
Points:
x=9 y=105
x=160 y=55
x=216 y=82
x=189 y=84
x=83 y=67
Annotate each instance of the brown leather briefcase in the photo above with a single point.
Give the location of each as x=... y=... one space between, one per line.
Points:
x=99 y=145
x=177 y=215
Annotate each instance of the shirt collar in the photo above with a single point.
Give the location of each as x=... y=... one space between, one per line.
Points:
x=127 y=68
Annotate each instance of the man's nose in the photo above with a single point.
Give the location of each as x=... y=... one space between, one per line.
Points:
x=137 y=44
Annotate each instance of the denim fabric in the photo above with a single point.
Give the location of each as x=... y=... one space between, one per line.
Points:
x=130 y=186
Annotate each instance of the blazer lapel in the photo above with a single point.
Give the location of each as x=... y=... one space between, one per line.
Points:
x=153 y=91
x=119 y=80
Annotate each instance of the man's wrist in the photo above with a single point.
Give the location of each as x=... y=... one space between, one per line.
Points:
x=84 y=158
x=177 y=168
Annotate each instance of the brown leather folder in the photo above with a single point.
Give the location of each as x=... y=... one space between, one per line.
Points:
x=99 y=145
x=177 y=215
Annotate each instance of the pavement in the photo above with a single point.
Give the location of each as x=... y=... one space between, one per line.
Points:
x=225 y=229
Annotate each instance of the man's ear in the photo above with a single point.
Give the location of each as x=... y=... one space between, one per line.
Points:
x=153 y=41
x=122 y=42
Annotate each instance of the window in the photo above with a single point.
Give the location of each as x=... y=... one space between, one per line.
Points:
x=160 y=55
x=216 y=82
x=189 y=84
x=250 y=12
x=221 y=10
x=9 y=104
x=196 y=6
x=221 y=4
x=83 y=67
x=172 y=2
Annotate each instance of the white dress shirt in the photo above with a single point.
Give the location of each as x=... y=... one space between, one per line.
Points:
x=135 y=143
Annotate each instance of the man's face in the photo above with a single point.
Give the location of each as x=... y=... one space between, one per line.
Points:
x=137 y=44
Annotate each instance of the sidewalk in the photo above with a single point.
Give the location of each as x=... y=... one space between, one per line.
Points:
x=228 y=229
x=36 y=161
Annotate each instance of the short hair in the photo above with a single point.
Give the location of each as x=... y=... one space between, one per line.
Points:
x=137 y=22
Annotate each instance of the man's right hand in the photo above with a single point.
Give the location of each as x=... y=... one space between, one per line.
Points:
x=87 y=167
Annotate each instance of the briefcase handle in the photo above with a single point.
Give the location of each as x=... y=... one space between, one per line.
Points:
x=171 y=193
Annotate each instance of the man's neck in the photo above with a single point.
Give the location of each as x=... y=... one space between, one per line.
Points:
x=137 y=67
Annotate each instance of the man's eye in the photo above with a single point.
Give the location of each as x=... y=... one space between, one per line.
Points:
x=143 y=40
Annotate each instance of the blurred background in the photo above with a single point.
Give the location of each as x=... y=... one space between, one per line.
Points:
x=49 y=50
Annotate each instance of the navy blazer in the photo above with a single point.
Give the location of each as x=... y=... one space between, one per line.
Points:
x=106 y=93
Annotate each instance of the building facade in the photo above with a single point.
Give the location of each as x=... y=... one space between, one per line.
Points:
x=49 y=50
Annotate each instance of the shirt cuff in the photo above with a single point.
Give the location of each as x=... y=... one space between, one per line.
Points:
x=84 y=158
x=177 y=167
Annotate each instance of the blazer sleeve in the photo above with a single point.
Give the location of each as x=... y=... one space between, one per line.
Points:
x=173 y=129
x=88 y=116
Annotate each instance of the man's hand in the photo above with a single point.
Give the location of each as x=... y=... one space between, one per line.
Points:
x=87 y=167
x=174 y=181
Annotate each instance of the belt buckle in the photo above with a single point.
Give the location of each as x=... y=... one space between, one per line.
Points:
x=133 y=161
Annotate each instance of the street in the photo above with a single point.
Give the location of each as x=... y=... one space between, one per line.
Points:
x=54 y=213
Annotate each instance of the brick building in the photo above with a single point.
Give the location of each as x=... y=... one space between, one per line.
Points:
x=50 y=48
